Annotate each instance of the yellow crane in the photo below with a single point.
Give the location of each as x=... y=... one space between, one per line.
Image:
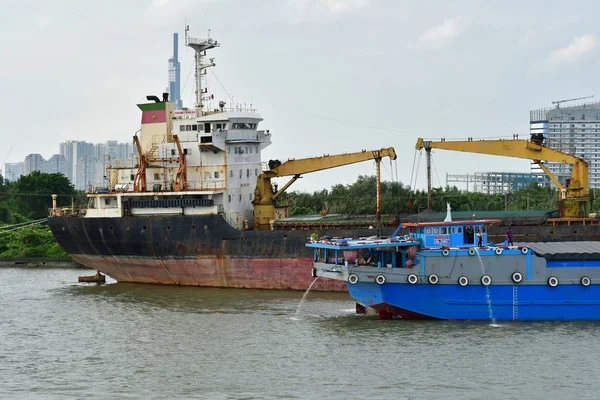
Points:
x=574 y=199
x=265 y=196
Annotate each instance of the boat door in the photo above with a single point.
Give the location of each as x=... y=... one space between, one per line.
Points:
x=469 y=235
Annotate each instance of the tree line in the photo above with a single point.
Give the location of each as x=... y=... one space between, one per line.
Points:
x=359 y=198
x=29 y=199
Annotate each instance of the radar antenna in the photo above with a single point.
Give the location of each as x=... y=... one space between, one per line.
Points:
x=200 y=46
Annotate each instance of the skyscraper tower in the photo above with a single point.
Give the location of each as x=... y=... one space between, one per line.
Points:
x=175 y=76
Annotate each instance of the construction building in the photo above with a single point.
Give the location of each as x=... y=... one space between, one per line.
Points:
x=573 y=129
x=493 y=182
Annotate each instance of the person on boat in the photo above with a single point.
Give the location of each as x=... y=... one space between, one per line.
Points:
x=509 y=238
x=479 y=239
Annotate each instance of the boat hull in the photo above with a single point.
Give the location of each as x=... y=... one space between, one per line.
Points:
x=194 y=251
x=507 y=302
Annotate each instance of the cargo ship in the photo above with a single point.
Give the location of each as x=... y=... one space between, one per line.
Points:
x=450 y=270
x=199 y=208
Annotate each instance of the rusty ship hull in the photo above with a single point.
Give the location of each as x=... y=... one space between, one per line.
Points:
x=193 y=251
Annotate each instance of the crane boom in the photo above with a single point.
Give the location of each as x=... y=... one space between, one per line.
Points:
x=578 y=186
x=264 y=198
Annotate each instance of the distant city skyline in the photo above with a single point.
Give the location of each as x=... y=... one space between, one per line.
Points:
x=83 y=163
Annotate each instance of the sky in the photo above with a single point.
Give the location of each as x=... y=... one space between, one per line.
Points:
x=327 y=76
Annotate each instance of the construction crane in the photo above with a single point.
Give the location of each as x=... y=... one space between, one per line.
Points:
x=557 y=102
x=265 y=196
x=574 y=199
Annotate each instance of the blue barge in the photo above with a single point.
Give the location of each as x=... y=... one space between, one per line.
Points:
x=449 y=270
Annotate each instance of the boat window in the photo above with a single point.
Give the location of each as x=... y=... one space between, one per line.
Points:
x=484 y=229
x=156 y=176
x=443 y=230
x=107 y=202
x=240 y=173
x=218 y=126
x=231 y=173
x=207 y=127
x=436 y=230
x=257 y=149
x=216 y=174
x=453 y=229
x=181 y=128
x=428 y=231
x=188 y=128
x=459 y=229
x=247 y=173
x=255 y=171
x=132 y=177
x=194 y=128
x=230 y=198
x=240 y=197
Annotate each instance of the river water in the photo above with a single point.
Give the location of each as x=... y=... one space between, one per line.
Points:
x=60 y=339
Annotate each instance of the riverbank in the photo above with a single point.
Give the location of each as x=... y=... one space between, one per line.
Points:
x=39 y=262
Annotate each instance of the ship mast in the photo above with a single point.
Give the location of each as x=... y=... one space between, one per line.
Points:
x=200 y=46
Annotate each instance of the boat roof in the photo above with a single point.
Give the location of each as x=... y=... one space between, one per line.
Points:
x=355 y=244
x=567 y=251
x=472 y=222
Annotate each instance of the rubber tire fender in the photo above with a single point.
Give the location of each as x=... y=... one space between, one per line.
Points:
x=380 y=279
x=353 y=279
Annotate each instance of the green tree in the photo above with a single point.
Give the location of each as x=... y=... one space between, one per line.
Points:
x=31 y=194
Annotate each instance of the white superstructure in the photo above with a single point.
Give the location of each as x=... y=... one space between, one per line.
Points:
x=221 y=150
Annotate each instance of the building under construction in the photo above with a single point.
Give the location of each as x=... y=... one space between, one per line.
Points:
x=494 y=182
x=571 y=129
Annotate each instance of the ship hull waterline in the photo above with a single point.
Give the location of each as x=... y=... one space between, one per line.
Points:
x=193 y=251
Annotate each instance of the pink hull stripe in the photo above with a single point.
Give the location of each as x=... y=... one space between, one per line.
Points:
x=250 y=273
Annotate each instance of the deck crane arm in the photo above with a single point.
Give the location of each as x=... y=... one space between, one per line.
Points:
x=139 y=183
x=578 y=186
x=264 y=198
x=181 y=177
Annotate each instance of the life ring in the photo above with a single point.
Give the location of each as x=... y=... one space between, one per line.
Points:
x=585 y=281
x=433 y=279
x=445 y=252
x=353 y=279
x=380 y=279
x=517 y=277
x=524 y=250
x=471 y=251
x=498 y=251
x=463 y=281
x=553 y=281
x=412 y=279
x=486 y=280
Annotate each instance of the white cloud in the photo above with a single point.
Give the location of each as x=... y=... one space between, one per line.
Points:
x=574 y=52
x=323 y=8
x=443 y=35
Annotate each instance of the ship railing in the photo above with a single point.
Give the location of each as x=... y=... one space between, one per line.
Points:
x=230 y=220
x=206 y=185
x=67 y=211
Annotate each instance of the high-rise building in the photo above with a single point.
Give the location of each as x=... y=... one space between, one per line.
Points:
x=34 y=162
x=13 y=171
x=175 y=76
x=574 y=130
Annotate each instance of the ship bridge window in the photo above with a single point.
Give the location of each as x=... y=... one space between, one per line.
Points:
x=188 y=128
x=181 y=128
x=194 y=128
x=243 y=125
x=207 y=127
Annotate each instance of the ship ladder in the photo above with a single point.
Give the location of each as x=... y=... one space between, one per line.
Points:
x=515 y=310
